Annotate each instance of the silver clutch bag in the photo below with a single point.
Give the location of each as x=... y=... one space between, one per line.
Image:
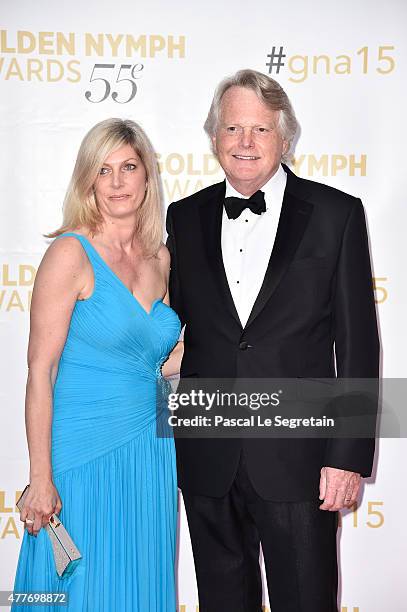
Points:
x=66 y=554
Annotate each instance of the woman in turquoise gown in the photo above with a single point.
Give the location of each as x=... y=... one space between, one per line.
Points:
x=101 y=330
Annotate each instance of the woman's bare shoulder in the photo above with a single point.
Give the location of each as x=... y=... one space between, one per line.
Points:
x=64 y=255
x=164 y=256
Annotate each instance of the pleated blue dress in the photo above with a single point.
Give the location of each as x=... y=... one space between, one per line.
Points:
x=115 y=475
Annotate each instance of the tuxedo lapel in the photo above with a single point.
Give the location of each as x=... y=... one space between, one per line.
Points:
x=211 y=224
x=294 y=217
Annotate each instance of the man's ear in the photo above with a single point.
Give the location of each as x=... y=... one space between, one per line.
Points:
x=286 y=146
x=213 y=140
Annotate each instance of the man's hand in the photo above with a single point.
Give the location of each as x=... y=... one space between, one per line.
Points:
x=338 y=488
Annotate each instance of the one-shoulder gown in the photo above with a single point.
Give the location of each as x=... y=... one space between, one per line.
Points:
x=115 y=476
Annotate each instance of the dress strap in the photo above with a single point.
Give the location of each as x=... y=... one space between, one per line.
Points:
x=87 y=246
x=92 y=255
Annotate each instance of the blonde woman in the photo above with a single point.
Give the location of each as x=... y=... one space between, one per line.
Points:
x=101 y=328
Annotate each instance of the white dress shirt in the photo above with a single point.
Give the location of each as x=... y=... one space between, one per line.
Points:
x=247 y=243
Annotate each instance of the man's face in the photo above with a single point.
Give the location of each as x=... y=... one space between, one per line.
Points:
x=247 y=140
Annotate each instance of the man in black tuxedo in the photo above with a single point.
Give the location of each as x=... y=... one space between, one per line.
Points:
x=271 y=275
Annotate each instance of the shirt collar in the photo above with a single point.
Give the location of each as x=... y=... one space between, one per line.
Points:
x=273 y=189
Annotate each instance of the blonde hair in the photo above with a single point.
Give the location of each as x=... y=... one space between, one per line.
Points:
x=268 y=91
x=80 y=206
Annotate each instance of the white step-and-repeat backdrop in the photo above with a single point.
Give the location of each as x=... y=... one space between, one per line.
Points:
x=64 y=66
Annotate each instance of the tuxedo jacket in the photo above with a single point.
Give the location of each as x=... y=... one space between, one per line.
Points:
x=314 y=317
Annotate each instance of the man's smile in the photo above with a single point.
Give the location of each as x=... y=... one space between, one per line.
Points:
x=246 y=157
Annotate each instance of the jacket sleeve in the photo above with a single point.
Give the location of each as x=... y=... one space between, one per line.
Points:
x=174 y=282
x=357 y=347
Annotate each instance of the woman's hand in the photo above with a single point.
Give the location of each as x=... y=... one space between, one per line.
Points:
x=41 y=502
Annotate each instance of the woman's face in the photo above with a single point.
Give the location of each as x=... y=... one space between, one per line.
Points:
x=121 y=184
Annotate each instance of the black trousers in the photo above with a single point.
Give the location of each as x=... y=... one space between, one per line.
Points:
x=298 y=542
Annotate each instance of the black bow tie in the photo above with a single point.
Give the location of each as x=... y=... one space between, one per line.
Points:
x=235 y=206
